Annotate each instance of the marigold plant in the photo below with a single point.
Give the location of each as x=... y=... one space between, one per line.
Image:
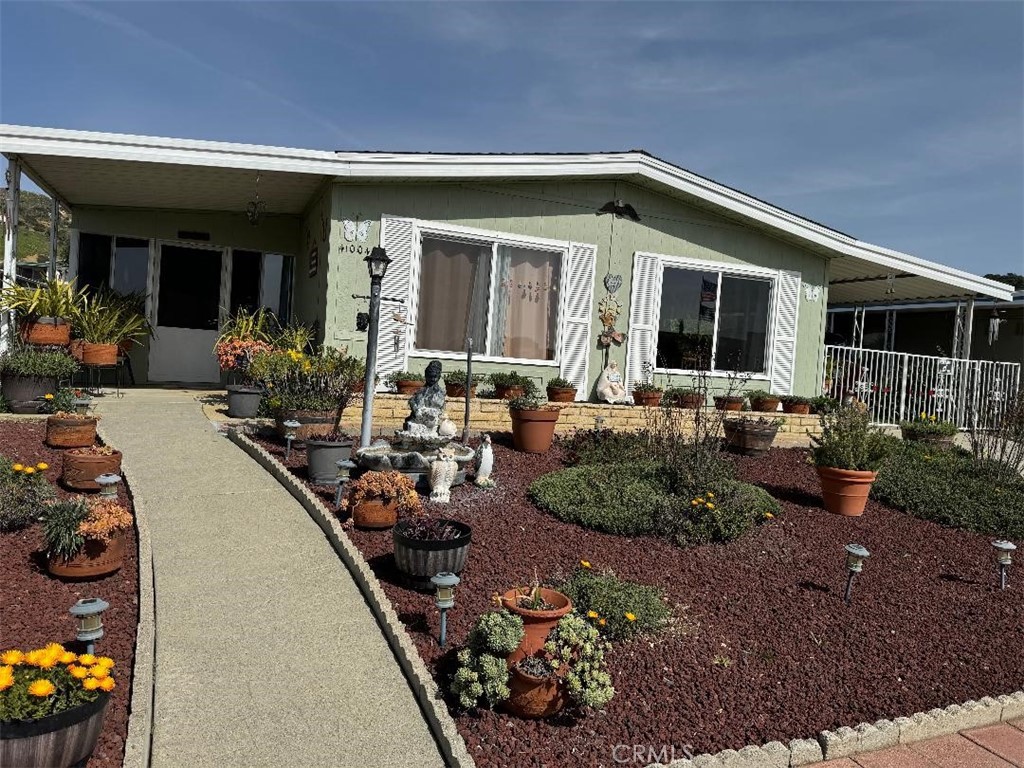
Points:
x=46 y=681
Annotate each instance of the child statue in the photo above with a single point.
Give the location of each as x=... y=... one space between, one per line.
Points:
x=610 y=387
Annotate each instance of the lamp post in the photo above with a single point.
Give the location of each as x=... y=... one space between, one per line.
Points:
x=377 y=261
x=291 y=428
x=1004 y=553
x=444 y=598
x=855 y=557
x=108 y=485
x=89 y=613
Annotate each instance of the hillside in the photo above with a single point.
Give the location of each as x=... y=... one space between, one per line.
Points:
x=34 y=234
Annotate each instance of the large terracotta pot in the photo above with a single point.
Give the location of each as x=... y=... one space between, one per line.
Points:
x=99 y=354
x=845 y=491
x=458 y=390
x=81 y=470
x=749 y=439
x=55 y=741
x=374 y=513
x=24 y=393
x=311 y=423
x=650 y=399
x=508 y=391
x=409 y=387
x=728 y=403
x=765 y=404
x=533 y=430
x=536 y=624
x=534 y=697
x=561 y=394
x=94 y=560
x=798 y=408
x=70 y=433
x=420 y=559
x=46 y=331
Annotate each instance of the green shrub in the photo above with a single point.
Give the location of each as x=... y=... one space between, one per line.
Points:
x=819 y=405
x=607 y=602
x=23 y=495
x=712 y=517
x=952 y=488
x=44 y=363
x=483 y=671
x=605 y=446
x=925 y=426
x=559 y=383
x=848 y=441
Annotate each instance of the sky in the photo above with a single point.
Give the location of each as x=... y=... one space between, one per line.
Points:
x=899 y=124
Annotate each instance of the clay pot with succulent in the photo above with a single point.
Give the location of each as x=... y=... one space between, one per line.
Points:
x=83 y=536
x=105 y=321
x=540 y=609
x=45 y=311
x=376 y=499
x=796 y=404
x=404 y=382
x=510 y=385
x=763 y=401
x=647 y=393
x=455 y=383
x=684 y=397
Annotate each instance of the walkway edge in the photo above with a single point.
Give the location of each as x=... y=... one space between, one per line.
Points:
x=442 y=726
x=138 y=743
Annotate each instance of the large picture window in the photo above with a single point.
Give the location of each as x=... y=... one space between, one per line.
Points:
x=713 y=321
x=503 y=296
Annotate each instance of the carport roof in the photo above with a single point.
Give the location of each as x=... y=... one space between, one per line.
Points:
x=108 y=169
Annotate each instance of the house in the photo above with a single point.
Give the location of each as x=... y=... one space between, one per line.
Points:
x=510 y=250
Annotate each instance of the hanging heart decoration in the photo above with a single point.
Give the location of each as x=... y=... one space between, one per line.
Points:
x=612 y=283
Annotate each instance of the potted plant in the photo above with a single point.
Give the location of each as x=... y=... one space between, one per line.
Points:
x=455 y=383
x=65 y=426
x=533 y=424
x=929 y=429
x=483 y=672
x=425 y=547
x=646 y=393
x=750 y=436
x=763 y=401
x=29 y=373
x=323 y=452
x=509 y=386
x=83 y=465
x=24 y=492
x=44 y=311
x=104 y=322
x=684 y=397
x=729 y=402
x=404 y=382
x=375 y=499
x=797 y=404
x=245 y=335
x=817 y=405
x=540 y=609
x=83 y=537
x=52 y=705
x=561 y=390
x=847 y=457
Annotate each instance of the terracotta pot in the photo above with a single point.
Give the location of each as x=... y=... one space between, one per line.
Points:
x=420 y=559
x=54 y=741
x=845 y=491
x=95 y=559
x=374 y=513
x=99 y=354
x=650 y=399
x=693 y=401
x=533 y=430
x=311 y=423
x=561 y=394
x=801 y=408
x=749 y=440
x=458 y=390
x=77 y=349
x=46 y=331
x=81 y=470
x=724 y=403
x=508 y=391
x=536 y=624
x=409 y=387
x=70 y=433
x=765 y=404
x=534 y=697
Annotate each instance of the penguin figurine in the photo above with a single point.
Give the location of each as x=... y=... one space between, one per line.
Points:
x=484 y=463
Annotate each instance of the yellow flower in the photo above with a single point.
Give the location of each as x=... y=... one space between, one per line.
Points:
x=933 y=417
x=694 y=503
x=769 y=515
x=32 y=657
x=79 y=673
x=6 y=678
x=105 y=661
x=48 y=396
x=41 y=688
x=107 y=684
x=98 y=671
x=602 y=622
x=12 y=657
x=67 y=658
x=591 y=614
x=30 y=470
x=42 y=466
x=17 y=468
x=710 y=495
x=924 y=415
x=86 y=659
x=54 y=648
x=47 y=661
x=630 y=616
x=584 y=563
x=710 y=505
x=90 y=683
x=700 y=500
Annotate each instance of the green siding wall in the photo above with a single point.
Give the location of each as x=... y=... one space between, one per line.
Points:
x=566 y=211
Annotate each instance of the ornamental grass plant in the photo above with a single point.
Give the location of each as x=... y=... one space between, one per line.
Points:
x=69 y=523
x=50 y=680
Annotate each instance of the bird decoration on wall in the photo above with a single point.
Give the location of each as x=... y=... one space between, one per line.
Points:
x=620 y=210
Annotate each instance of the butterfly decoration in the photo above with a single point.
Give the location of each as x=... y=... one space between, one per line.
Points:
x=356 y=231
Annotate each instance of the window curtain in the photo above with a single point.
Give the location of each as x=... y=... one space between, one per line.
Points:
x=454 y=281
x=530 y=295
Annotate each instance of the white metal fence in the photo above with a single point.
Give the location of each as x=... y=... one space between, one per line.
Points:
x=898 y=386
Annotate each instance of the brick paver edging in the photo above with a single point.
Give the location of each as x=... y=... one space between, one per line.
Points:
x=442 y=726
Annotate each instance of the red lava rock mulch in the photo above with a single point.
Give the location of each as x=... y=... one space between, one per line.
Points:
x=762 y=647
x=35 y=604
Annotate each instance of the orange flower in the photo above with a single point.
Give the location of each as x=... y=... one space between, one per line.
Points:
x=12 y=657
x=90 y=683
x=99 y=672
x=710 y=505
x=30 y=470
x=584 y=563
x=105 y=661
x=41 y=688
x=48 y=396
x=602 y=622
x=32 y=657
x=630 y=616
x=17 y=467
x=87 y=659
x=47 y=661
x=107 y=684
x=591 y=614
x=79 y=673
x=67 y=658
x=6 y=678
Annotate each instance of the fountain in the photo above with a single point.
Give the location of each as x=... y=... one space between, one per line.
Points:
x=426 y=431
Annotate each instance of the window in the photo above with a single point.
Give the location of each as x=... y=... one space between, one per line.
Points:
x=503 y=296
x=713 y=321
x=131 y=266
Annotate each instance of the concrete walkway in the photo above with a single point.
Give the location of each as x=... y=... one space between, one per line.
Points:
x=266 y=653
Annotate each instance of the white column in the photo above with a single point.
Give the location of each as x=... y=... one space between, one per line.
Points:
x=965 y=348
x=10 y=243
x=51 y=267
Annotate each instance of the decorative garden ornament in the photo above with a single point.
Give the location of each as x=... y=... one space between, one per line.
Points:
x=610 y=388
x=446 y=428
x=612 y=283
x=442 y=474
x=609 y=309
x=484 y=463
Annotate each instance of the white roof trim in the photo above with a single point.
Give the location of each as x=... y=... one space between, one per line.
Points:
x=26 y=140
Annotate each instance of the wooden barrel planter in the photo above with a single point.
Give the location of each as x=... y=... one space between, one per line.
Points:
x=99 y=354
x=536 y=624
x=561 y=394
x=749 y=439
x=46 y=331
x=24 y=393
x=421 y=559
x=81 y=469
x=534 y=697
x=95 y=560
x=54 y=741
x=311 y=423
x=243 y=401
x=64 y=432
x=375 y=514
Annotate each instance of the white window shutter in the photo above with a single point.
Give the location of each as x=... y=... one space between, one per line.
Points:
x=578 y=298
x=398 y=238
x=787 y=308
x=644 y=308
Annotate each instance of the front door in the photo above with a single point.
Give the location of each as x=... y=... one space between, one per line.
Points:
x=189 y=288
